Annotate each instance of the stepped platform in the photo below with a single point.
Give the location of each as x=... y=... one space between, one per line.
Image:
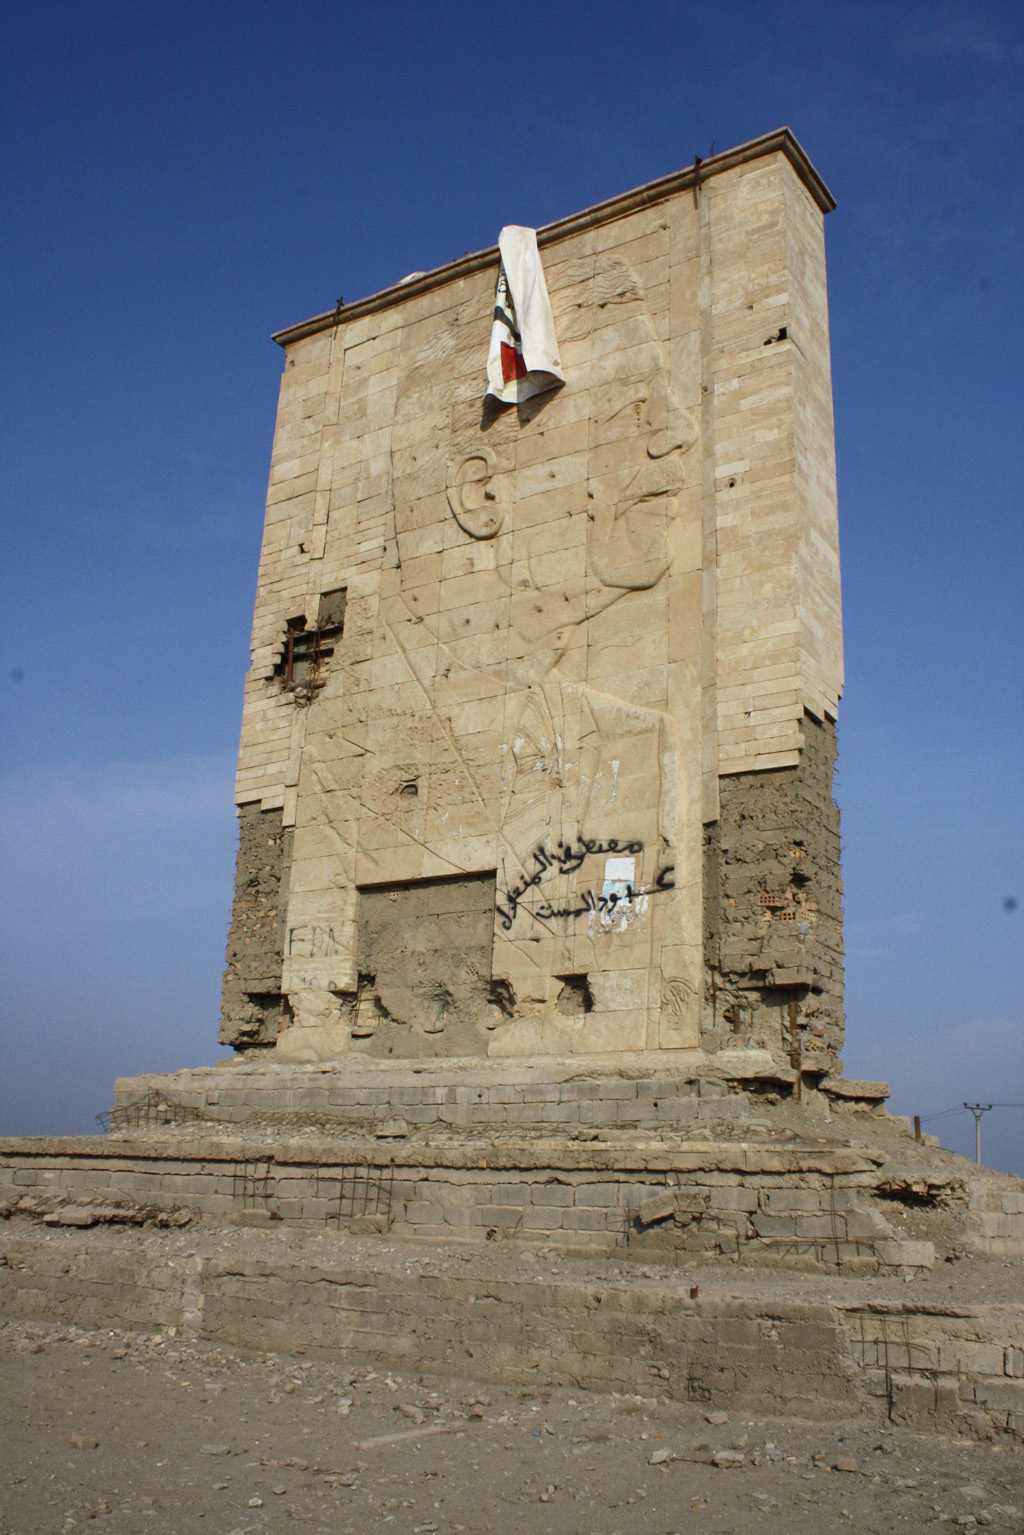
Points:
x=724 y=1337
x=311 y=1204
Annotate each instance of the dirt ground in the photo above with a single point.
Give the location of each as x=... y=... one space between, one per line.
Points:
x=149 y=1433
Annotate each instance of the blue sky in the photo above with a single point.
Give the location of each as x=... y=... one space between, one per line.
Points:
x=179 y=181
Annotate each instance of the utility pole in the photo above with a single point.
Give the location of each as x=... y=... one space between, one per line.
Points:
x=977 y=1109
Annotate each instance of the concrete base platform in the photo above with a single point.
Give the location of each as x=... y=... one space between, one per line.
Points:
x=678 y=1089
x=684 y=1224
x=737 y=1341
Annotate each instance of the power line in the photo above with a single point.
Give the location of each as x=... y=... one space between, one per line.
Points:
x=977 y=1109
x=959 y=1109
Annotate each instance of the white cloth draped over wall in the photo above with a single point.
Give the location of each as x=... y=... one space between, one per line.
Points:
x=523 y=358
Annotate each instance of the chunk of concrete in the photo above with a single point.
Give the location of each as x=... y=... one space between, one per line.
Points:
x=896 y=1253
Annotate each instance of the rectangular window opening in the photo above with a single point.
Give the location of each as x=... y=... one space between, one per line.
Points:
x=306 y=651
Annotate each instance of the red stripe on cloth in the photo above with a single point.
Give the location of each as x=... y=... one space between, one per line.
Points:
x=512 y=364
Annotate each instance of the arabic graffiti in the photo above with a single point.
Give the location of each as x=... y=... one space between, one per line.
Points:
x=604 y=905
x=567 y=858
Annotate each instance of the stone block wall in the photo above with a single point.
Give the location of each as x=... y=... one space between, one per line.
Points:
x=624 y=1103
x=930 y=1367
x=539 y=645
x=799 y=1207
x=815 y=1358
x=995 y=1220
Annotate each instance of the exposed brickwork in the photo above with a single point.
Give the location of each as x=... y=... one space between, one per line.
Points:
x=252 y=1005
x=773 y=909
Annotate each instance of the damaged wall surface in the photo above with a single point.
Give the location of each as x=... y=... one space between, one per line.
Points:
x=253 y=1007
x=534 y=651
x=424 y=953
x=773 y=910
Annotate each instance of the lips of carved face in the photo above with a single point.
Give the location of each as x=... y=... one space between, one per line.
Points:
x=658 y=481
x=665 y=433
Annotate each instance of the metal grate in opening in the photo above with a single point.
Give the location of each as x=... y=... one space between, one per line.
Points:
x=355 y=1190
x=250 y=1186
x=153 y=1108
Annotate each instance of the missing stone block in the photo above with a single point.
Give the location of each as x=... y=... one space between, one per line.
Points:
x=773 y=907
x=428 y=944
x=919 y=1193
x=306 y=651
x=254 y=1010
x=440 y=999
x=364 y=1009
x=502 y=996
x=331 y=611
x=575 y=997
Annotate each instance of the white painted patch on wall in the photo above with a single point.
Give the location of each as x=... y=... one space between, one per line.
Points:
x=618 y=873
x=619 y=906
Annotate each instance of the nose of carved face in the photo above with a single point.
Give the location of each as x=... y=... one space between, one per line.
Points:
x=669 y=428
x=677 y=433
x=671 y=432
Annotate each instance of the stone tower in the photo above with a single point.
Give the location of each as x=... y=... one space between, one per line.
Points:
x=538 y=737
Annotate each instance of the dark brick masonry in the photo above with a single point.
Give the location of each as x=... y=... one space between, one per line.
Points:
x=773 y=937
x=253 y=1009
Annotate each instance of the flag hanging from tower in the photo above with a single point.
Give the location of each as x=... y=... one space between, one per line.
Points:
x=523 y=358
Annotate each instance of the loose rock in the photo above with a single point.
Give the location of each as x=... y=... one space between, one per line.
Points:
x=728 y=1459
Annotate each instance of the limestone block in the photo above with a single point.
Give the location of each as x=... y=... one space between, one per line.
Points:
x=906 y=1254
x=542 y=1218
x=739 y=1199
x=975 y=1358
x=601 y=1196
x=1001 y=1395
x=774 y=1225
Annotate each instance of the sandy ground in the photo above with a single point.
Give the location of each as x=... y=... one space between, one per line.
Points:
x=148 y=1433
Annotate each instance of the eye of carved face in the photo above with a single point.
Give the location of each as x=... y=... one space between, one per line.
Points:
x=473 y=502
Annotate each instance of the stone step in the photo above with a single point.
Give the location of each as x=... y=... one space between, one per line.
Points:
x=741 y=1343
x=622 y=1091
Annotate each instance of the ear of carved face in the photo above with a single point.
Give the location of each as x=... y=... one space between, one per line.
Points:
x=473 y=496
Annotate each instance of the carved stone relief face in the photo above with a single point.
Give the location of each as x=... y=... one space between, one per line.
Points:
x=638 y=437
x=633 y=505
x=503 y=711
